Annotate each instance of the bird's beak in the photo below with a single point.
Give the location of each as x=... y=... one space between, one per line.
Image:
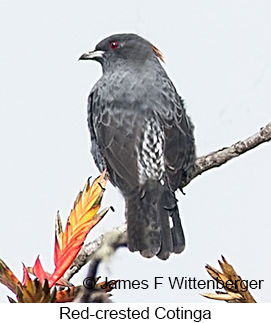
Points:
x=92 y=55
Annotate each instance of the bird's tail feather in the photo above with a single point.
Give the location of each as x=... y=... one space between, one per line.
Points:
x=150 y=230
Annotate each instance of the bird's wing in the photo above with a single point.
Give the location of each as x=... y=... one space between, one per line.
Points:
x=113 y=134
x=179 y=151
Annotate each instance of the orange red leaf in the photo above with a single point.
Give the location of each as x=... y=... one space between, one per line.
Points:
x=82 y=219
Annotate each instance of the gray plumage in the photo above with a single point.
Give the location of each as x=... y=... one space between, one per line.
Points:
x=141 y=134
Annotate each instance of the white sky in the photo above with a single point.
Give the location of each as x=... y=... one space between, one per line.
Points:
x=218 y=56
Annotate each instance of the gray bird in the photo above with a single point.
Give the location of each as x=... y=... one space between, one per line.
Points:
x=141 y=134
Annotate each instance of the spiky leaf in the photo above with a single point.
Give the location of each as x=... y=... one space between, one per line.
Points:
x=7 y=277
x=83 y=217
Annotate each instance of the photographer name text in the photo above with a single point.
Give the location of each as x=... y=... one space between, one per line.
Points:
x=184 y=283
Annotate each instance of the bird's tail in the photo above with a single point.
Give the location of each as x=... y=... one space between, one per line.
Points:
x=153 y=223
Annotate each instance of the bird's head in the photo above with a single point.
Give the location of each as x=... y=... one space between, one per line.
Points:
x=121 y=48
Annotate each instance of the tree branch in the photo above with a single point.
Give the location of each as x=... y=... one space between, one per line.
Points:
x=221 y=156
x=110 y=241
x=107 y=245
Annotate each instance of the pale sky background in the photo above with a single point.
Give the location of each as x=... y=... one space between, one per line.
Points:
x=218 y=54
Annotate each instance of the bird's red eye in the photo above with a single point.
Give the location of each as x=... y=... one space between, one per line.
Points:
x=114 y=44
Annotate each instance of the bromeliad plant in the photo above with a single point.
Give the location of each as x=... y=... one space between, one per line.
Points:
x=43 y=288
